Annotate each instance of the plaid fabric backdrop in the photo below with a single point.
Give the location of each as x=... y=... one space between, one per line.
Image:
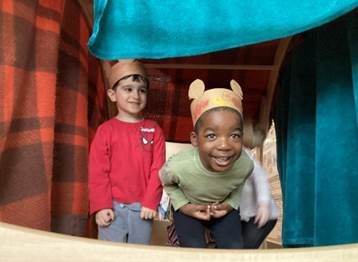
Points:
x=51 y=100
x=168 y=104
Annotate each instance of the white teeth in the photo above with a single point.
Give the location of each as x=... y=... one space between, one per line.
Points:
x=222 y=160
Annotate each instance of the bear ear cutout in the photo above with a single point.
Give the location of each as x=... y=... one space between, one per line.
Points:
x=236 y=88
x=196 y=89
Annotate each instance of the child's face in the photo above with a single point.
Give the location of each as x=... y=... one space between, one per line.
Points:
x=130 y=97
x=219 y=139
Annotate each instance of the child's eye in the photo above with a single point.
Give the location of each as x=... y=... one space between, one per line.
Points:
x=143 y=90
x=211 y=136
x=236 y=136
x=128 y=89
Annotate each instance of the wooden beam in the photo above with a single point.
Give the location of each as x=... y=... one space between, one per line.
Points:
x=210 y=67
x=266 y=104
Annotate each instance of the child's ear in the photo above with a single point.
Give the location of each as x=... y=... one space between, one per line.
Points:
x=193 y=138
x=111 y=94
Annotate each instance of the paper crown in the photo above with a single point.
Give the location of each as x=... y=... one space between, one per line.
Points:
x=216 y=97
x=125 y=68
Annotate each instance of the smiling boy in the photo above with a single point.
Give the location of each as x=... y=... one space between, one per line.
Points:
x=204 y=183
x=125 y=157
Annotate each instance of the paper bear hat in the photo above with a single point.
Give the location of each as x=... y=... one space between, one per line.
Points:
x=125 y=68
x=216 y=97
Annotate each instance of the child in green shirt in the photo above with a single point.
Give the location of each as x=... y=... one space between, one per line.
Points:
x=204 y=183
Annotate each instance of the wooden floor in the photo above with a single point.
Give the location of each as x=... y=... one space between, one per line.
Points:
x=159 y=233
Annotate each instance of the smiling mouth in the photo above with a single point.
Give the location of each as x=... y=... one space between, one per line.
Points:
x=222 y=161
x=134 y=103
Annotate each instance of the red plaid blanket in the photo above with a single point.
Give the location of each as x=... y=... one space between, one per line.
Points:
x=51 y=100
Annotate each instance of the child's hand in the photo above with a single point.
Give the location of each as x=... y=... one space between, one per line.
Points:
x=104 y=217
x=220 y=210
x=147 y=213
x=263 y=214
x=197 y=211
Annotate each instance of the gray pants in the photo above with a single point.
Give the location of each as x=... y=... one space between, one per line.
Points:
x=127 y=226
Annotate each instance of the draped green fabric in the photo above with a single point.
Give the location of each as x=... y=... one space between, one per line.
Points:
x=161 y=29
x=317 y=137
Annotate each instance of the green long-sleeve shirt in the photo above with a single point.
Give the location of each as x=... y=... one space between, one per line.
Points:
x=186 y=180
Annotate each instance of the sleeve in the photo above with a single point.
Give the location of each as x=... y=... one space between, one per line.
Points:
x=154 y=189
x=170 y=182
x=99 y=186
x=261 y=184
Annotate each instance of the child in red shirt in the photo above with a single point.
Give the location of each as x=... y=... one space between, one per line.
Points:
x=125 y=157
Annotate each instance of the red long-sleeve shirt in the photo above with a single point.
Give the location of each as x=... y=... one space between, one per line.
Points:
x=124 y=162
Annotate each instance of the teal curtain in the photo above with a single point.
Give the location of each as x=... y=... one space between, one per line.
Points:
x=317 y=136
x=171 y=28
